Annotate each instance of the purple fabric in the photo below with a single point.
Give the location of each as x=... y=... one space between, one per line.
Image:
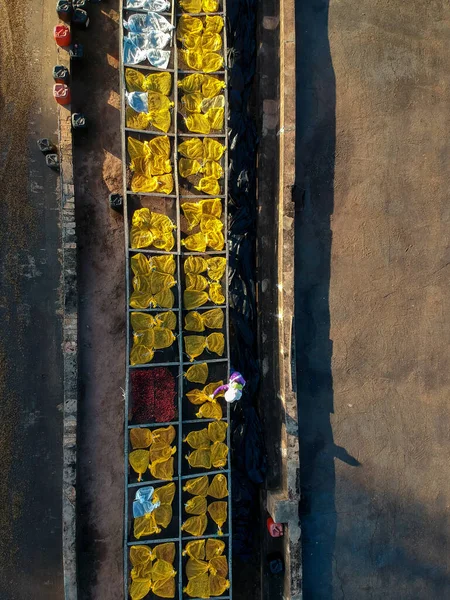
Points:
x=222 y=388
x=237 y=378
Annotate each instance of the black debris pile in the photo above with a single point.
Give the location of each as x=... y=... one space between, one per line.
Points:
x=249 y=459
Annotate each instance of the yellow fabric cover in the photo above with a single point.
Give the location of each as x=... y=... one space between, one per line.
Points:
x=150 y=333
x=212 y=149
x=192 y=83
x=196 y=548
x=165 y=495
x=140 y=437
x=160 y=452
x=165 y=551
x=211 y=62
x=215 y=102
x=210 y=225
x=212 y=169
x=210 y=410
x=218 y=511
x=196 y=344
x=198 y=439
x=188 y=167
x=148 y=228
x=163 y=515
x=200 y=458
x=197 y=373
x=193 y=299
x=134 y=80
x=215 y=117
x=197 y=486
x=216 y=294
x=195 y=212
x=216 y=267
x=196 y=567
x=217 y=432
x=219 y=453
x=156 y=82
x=196 y=282
x=139 y=460
x=163 y=470
x=145 y=526
x=218 y=585
x=195 y=264
x=204 y=395
x=197 y=6
x=193 y=102
x=151 y=165
x=196 y=506
x=219 y=487
x=192 y=148
x=214 y=24
x=188 y=25
x=213 y=548
x=208 y=185
x=198 y=587
x=195 y=525
x=212 y=86
x=218 y=565
x=164 y=588
x=139 y=589
x=198 y=123
x=164 y=435
x=211 y=42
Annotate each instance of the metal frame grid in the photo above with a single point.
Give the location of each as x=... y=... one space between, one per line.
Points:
x=180 y=478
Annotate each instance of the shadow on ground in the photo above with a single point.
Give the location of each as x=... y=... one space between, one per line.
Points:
x=315 y=150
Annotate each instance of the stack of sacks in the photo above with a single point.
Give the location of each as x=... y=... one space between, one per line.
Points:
x=153 y=278
x=148 y=35
x=201 y=40
x=150 y=161
x=152 y=508
x=195 y=295
x=202 y=156
x=209 y=407
x=151 y=333
x=200 y=214
x=206 y=569
x=159 y=459
x=152 y=571
x=148 y=100
x=209 y=447
x=150 y=228
x=198 y=505
x=202 y=104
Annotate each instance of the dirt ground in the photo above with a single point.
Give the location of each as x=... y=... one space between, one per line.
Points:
x=373 y=293
x=97 y=162
x=30 y=311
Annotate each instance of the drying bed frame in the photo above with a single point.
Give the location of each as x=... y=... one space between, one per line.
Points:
x=181 y=364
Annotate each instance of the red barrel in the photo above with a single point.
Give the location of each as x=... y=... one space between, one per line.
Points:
x=61 y=93
x=62 y=36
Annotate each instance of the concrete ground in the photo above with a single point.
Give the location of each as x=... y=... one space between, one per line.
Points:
x=373 y=298
x=30 y=311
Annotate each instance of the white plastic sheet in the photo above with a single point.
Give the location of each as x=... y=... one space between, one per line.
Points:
x=151 y=5
x=146 y=23
x=138 y=101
